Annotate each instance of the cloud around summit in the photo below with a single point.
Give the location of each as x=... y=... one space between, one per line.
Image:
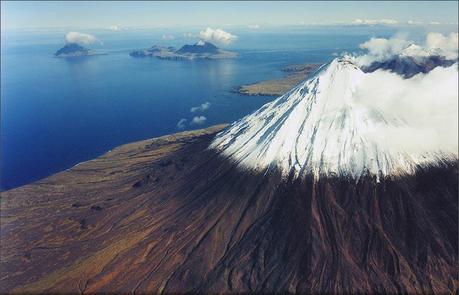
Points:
x=426 y=103
x=217 y=36
x=80 y=38
x=381 y=49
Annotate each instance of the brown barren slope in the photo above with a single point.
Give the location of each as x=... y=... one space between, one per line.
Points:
x=61 y=231
x=169 y=216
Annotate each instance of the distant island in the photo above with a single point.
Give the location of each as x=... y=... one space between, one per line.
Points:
x=200 y=50
x=74 y=50
x=297 y=73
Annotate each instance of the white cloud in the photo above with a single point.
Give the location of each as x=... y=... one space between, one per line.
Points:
x=168 y=37
x=427 y=103
x=189 y=35
x=434 y=23
x=216 y=35
x=372 y=22
x=199 y=120
x=447 y=45
x=202 y=108
x=413 y=22
x=182 y=124
x=380 y=49
x=114 y=28
x=79 y=38
x=254 y=27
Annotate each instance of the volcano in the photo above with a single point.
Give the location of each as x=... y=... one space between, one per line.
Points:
x=320 y=128
x=299 y=197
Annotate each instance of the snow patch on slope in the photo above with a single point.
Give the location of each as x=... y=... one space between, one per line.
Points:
x=319 y=127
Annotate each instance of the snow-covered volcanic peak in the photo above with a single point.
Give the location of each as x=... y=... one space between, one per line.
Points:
x=319 y=127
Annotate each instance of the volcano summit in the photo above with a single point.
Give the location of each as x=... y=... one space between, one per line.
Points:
x=321 y=127
x=306 y=195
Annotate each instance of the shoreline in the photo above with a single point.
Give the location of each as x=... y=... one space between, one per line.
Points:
x=129 y=146
x=295 y=74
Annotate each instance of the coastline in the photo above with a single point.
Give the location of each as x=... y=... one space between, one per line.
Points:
x=123 y=148
x=275 y=87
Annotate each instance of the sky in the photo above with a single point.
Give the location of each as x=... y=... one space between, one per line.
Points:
x=105 y=14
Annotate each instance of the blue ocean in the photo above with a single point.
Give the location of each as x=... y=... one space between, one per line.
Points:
x=57 y=112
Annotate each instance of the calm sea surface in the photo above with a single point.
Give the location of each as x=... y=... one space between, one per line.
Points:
x=58 y=112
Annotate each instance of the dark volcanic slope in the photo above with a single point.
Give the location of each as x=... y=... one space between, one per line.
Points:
x=167 y=215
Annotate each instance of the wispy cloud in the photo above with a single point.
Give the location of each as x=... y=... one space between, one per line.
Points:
x=115 y=28
x=254 y=27
x=182 y=123
x=199 y=120
x=217 y=35
x=413 y=22
x=189 y=35
x=79 y=38
x=202 y=108
x=372 y=22
x=168 y=37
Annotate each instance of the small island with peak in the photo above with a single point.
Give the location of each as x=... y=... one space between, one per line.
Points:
x=199 y=50
x=72 y=50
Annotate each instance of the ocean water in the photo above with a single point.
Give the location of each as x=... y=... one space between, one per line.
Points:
x=58 y=112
